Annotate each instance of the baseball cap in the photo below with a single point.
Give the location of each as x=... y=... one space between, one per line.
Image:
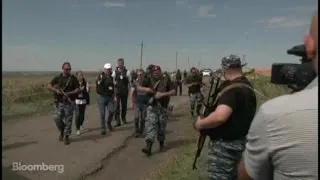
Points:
x=231 y=61
x=107 y=66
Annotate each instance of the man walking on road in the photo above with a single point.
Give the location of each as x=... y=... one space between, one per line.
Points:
x=194 y=83
x=283 y=138
x=106 y=97
x=178 y=82
x=66 y=88
x=122 y=78
x=141 y=102
x=159 y=89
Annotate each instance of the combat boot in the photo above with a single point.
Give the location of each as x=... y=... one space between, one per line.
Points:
x=118 y=122
x=66 y=140
x=110 y=127
x=191 y=113
x=148 y=148
x=161 y=145
x=124 y=121
x=61 y=136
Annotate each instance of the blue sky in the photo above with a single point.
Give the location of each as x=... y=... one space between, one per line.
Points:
x=41 y=34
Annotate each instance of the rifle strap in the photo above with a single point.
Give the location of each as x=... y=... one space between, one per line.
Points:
x=234 y=85
x=66 y=85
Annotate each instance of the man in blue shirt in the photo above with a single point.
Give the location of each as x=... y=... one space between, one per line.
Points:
x=141 y=102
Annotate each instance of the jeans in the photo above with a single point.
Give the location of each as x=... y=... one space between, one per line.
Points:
x=105 y=102
x=140 y=114
x=80 y=114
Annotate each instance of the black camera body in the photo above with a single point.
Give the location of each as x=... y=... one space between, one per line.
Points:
x=296 y=76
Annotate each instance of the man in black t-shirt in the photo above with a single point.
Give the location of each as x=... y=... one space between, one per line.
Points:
x=178 y=80
x=229 y=123
x=66 y=88
x=194 y=84
x=159 y=89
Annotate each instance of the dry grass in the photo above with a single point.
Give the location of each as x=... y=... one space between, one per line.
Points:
x=180 y=166
x=27 y=95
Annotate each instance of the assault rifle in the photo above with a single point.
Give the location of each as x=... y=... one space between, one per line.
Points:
x=152 y=98
x=208 y=108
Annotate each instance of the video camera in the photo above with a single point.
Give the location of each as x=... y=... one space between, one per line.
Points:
x=295 y=76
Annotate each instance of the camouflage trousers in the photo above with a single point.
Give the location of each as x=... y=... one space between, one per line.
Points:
x=195 y=102
x=63 y=117
x=223 y=158
x=157 y=118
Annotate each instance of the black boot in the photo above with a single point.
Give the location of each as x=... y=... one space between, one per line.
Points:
x=161 y=145
x=110 y=127
x=66 y=140
x=124 y=121
x=118 y=122
x=61 y=136
x=191 y=112
x=147 y=149
x=103 y=132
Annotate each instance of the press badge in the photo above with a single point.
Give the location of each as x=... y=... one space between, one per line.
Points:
x=110 y=87
x=121 y=77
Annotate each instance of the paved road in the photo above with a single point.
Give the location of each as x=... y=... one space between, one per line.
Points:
x=34 y=141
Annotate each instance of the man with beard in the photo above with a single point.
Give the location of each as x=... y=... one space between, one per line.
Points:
x=228 y=125
x=66 y=88
x=194 y=84
x=122 y=78
x=159 y=90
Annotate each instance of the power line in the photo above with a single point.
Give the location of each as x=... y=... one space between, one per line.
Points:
x=176 y=60
x=141 y=53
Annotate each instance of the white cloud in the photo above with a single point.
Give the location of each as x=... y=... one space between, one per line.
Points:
x=284 y=22
x=114 y=4
x=205 y=11
x=183 y=3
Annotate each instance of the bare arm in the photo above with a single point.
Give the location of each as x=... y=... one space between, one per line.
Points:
x=51 y=85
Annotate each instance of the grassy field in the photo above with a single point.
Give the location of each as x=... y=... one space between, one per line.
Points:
x=180 y=166
x=25 y=95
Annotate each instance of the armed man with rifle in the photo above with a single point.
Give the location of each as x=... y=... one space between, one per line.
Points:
x=194 y=84
x=159 y=90
x=227 y=121
x=66 y=89
x=178 y=82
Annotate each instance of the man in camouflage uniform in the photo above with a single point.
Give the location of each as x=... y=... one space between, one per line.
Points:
x=178 y=82
x=159 y=90
x=194 y=83
x=66 y=88
x=228 y=125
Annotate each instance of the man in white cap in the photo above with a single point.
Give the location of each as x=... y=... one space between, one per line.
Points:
x=106 y=97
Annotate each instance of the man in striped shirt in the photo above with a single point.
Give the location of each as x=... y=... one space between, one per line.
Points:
x=283 y=137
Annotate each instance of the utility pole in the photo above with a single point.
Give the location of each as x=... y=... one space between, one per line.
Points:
x=141 y=54
x=176 y=60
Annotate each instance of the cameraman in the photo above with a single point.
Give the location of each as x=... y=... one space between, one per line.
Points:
x=283 y=137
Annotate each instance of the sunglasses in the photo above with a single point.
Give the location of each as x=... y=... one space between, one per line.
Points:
x=139 y=74
x=69 y=69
